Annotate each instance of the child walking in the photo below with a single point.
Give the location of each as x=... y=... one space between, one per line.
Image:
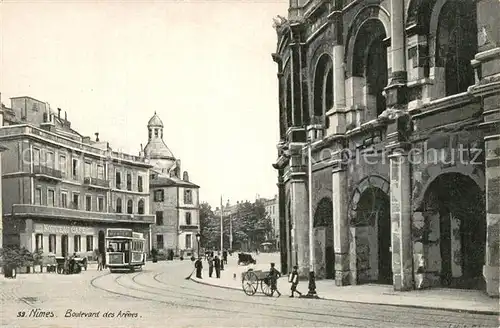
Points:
x=294 y=279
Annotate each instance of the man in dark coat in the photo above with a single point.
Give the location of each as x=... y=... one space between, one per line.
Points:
x=273 y=277
x=217 y=266
x=210 y=266
x=224 y=256
x=199 y=266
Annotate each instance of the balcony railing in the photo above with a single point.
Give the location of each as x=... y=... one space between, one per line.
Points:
x=71 y=214
x=188 y=227
x=96 y=182
x=47 y=172
x=29 y=130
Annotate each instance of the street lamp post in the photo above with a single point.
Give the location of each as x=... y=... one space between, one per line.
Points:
x=198 y=236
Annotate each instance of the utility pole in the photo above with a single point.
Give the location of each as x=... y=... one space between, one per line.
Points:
x=221 y=225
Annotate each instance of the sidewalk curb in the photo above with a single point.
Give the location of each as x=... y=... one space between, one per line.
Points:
x=486 y=312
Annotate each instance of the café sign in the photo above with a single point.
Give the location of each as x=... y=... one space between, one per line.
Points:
x=63 y=230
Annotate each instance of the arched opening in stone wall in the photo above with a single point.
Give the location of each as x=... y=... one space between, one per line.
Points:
x=373 y=237
x=457 y=44
x=370 y=62
x=324 y=251
x=288 y=102
x=455 y=238
x=323 y=88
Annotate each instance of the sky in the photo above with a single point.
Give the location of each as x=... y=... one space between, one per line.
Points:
x=205 y=67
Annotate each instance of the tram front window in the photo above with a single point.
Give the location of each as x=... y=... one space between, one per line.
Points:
x=119 y=246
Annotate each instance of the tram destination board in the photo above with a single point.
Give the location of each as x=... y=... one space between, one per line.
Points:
x=120 y=233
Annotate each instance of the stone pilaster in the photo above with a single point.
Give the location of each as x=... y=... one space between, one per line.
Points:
x=487 y=62
x=282 y=220
x=396 y=90
x=299 y=211
x=340 y=223
x=282 y=116
x=400 y=195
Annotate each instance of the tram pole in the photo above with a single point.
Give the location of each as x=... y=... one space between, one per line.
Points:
x=312 y=279
x=221 y=226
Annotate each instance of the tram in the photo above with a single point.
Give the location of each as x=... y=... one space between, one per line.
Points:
x=124 y=249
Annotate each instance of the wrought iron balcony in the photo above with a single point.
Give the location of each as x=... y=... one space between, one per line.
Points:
x=188 y=227
x=24 y=210
x=47 y=173
x=96 y=183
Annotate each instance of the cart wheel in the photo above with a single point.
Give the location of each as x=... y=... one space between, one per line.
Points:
x=265 y=286
x=250 y=283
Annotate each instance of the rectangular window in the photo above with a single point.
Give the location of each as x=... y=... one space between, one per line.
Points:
x=62 y=164
x=88 y=170
x=38 y=241
x=159 y=242
x=77 y=243
x=188 y=197
x=76 y=201
x=100 y=172
x=159 y=218
x=38 y=196
x=90 y=243
x=50 y=160
x=139 y=184
x=88 y=203
x=188 y=241
x=64 y=199
x=36 y=157
x=118 y=181
x=51 y=201
x=129 y=181
x=52 y=244
x=159 y=195
x=188 y=218
x=100 y=203
x=74 y=168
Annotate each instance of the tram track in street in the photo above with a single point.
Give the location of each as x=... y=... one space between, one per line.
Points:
x=177 y=304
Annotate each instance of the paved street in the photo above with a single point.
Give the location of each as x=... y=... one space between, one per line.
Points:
x=160 y=295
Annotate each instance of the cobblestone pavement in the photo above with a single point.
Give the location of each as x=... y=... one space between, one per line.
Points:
x=160 y=296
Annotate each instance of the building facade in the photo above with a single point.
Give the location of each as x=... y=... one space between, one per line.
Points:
x=61 y=191
x=399 y=104
x=273 y=213
x=174 y=199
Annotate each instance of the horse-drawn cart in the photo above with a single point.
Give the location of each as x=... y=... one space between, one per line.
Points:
x=246 y=259
x=252 y=279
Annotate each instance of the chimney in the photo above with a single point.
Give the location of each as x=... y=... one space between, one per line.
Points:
x=97 y=136
x=65 y=116
x=59 y=113
x=185 y=176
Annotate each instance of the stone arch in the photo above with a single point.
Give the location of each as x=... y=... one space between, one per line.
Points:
x=324 y=247
x=453 y=42
x=419 y=14
x=371 y=12
x=323 y=86
x=453 y=240
x=371 y=181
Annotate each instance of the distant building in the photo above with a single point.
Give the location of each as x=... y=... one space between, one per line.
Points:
x=174 y=199
x=1 y=150
x=61 y=190
x=273 y=213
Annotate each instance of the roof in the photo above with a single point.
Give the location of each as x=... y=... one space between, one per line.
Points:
x=157 y=149
x=155 y=121
x=171 y=181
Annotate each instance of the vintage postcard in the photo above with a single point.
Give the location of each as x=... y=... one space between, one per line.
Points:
x=249 y=163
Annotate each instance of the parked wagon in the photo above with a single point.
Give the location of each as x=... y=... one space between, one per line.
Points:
x=252 y=279
x=64 y=266
x=245 y=259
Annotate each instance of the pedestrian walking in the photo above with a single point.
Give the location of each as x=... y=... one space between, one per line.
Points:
x=294 y=279
x=273 y=279
x=199 y=266
x=100 y=262
x=217 y=266
x=210 y=266
x=224 y=256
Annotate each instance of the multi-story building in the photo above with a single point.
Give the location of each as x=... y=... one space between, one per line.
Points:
x=401 y=104
x=2 y=148
x=174 y=200
x=273 y=213
x=62 y=190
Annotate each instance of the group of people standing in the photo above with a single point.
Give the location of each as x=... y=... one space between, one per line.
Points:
x=214 y=262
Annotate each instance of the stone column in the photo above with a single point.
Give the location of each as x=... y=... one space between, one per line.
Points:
x=400 y=194
x=278 y=60
x=282 y=224
x=336 y=116
x=299 y=210
x=396 y=90
x=488 y=89
x=340 y=223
